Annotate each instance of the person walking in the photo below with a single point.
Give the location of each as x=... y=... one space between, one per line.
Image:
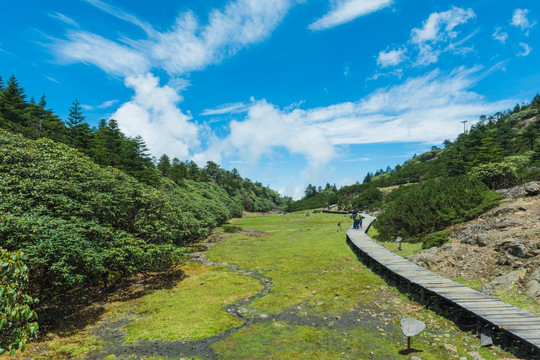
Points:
x=354 y=216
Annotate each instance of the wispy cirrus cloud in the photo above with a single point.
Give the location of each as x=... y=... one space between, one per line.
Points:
x=121 y=14
x=103 y=105
x=231 y=108
x=187 y=46
x=344 y=11
x=436 y=36
x=63 y=18
x=112 y=57
x=426 y=109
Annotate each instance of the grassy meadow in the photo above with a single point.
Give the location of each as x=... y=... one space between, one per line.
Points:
x=322 y=304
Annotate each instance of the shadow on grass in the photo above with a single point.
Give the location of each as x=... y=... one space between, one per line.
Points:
x=409 y=351
x=70 y=312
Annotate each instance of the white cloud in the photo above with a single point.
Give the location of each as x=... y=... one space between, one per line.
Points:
x=500 y=36
x=103 y=105
x=121 y=14
x=526 y=49
x=63 y=18
x=188 y=46
x=424 y=109
x=153 y=113
x=391 y=58
x=344 y=11
x=440 y=26
x=232 y=108
x=520 y=20
x=436 y=36
x=113 y=58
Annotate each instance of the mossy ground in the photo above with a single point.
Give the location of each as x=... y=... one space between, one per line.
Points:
x=323 y=304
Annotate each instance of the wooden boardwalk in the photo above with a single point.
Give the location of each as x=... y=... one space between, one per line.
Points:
x=491 y=314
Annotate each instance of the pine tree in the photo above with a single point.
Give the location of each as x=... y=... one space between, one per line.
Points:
x=12 y=105
x=76 y=115
x=164 y=165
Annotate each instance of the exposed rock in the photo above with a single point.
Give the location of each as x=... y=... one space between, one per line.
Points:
x=505 y=281
x=533 y=289
x=532 y=188
x=503 y=244
x=505 y=260
x=536 y=275
x=500 y=241
x=529 y=189
x=450 y=347
x=518 y=249
x=481 y=240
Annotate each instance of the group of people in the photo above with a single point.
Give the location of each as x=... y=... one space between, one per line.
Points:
x=357 y=219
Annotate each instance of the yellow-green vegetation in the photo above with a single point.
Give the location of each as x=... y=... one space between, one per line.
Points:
x=513 y=297
x=407 y=248
x=288 y=256
x=194 y=309
x=323 y=304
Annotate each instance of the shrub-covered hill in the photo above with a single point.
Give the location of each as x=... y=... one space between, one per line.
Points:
x=106 y=145
x=501 y=150
x=80 y=224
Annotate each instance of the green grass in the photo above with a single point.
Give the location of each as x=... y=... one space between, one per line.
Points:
x=194 y=309
x=323 y=303
x=304 y=265
x=407 y=249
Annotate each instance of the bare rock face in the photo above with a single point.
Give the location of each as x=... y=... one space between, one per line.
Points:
x=505 y=281
x=501 y=248
x=529 y=189
x=533 y=289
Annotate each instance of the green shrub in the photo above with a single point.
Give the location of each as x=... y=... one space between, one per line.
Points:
x=495 y=175
x=436 y=239
x=433 y=205
x=80 y=224
x=17 y=322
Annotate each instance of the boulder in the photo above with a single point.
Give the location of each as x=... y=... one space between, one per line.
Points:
x=533 y=289
x=521 y=249
x=505 y=281
x=505 y=260
x=532 y=188
x=529 y=189
x=536 y=275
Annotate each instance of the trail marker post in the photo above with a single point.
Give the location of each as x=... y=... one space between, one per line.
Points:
x=411 y=327
x=399 y=240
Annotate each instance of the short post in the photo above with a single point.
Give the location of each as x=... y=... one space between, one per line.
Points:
x=411 y=327
x=399 y=239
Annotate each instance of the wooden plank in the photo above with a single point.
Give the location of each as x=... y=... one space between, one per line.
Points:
x=516 y=322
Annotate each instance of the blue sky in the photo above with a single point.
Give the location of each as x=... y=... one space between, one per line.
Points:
x=289 y=92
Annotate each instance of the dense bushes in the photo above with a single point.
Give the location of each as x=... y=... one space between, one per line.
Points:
x=431 y=206
x=495 y=175
x=436 y=239
x=80 y=224
x=17 y=320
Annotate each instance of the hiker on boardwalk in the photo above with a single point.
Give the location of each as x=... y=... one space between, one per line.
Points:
x=354 y=216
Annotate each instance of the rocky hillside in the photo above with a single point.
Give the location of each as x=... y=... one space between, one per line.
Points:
x=499 y=250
